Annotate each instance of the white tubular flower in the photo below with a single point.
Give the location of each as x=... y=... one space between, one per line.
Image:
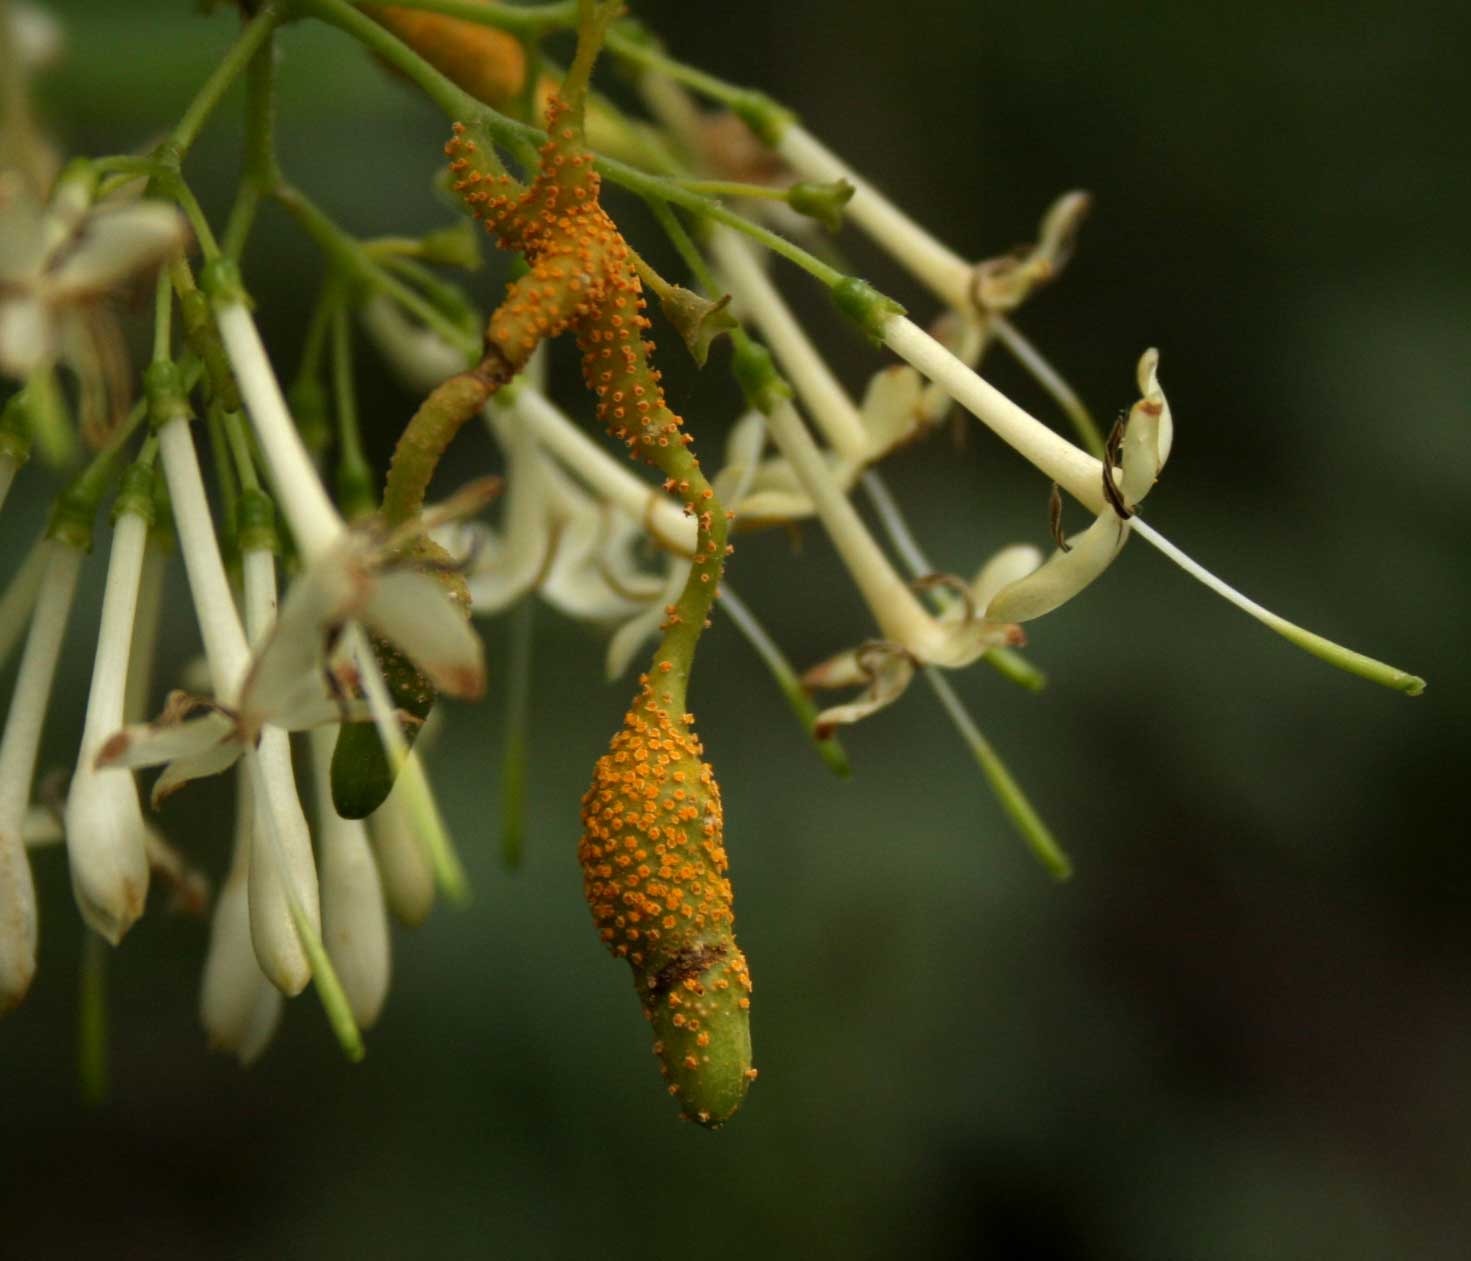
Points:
x=20 y=598
x=315 y=523
x=57 y=260
x=282 y=867
x=354 y=918
x=18 y=746
x=105 y=835
x=1146 y=443
x=238 y=1007
x=403 y=861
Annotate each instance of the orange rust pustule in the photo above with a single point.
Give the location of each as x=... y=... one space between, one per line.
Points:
x=654 y=875
x=653 y=846
x=575 y=251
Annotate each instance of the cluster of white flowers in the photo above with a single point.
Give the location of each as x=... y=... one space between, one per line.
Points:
x=576 y=527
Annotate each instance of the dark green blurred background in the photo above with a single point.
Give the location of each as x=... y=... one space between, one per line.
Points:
x=1242 y=1031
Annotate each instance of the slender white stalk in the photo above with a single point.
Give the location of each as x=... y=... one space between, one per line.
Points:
x=900 y=535
x=23 y=722
x=214 y=608
x=354 y=918
x=283 y=872
x=901 y=616
x=1075 y=471
x=755 y=295
x=315 y=523
x=937 y=266
x=602 y=473
x=20 y=598
x=145 y=633
x=105 y=837
x=1324 y=649
x=7 y=476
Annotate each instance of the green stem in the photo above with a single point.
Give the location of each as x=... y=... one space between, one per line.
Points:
x=732 y=188
x=354 y=473
x=260 y=173
x=238 y=438
x=1008 y=792
x=354 y=260
x=255 y=33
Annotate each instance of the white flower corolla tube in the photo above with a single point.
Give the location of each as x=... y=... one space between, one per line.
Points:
x=238 y=1007
x=354 y=916
x=315 y=523
x=281 y=830
x=18 y=746
x=403 y=860
x=105 y=836
x=757 y=298
x=1074 y=470
x=282 y=866
x=943 y=271
x=20 y=598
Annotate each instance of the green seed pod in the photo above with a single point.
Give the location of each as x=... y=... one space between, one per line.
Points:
x=653 y=862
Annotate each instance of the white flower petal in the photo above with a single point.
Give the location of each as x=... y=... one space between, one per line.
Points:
x=414 y=611
x=282 y=868
x=17 y=921
x=1010 y=564
x=891 y=410
x=114 y=242
x=188 y=727
x=1065 y=573
x=1149 y=434
x=182 y=770
x=886 y=669
x=354 y=918
x=237 y=1005
x=27 y=335
x=106 y=850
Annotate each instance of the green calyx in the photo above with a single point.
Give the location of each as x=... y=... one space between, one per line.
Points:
x=164 y=389
x=220 y=280
x=864 y=305
x=255 y=522
x=821 y=201
x=756 y=374
x=135 y=495
x=75 y=511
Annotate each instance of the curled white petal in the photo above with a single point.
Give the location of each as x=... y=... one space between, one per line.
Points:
x=1149 y=434
x=885 y=668
x=1010 y=564
x=1064 y=574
